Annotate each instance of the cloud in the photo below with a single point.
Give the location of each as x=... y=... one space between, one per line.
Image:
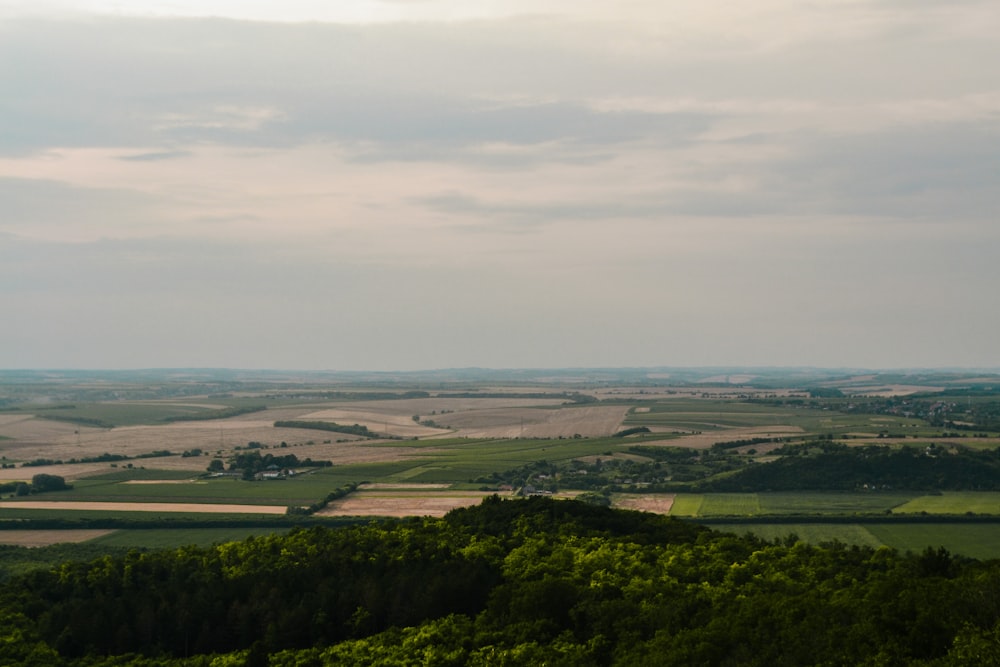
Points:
x=35 y=208
x=156 y=156
x=256 y=193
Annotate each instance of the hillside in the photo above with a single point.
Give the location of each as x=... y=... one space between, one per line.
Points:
x=507 y=582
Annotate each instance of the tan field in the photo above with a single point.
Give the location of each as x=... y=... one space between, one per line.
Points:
x=890 y=390
x=588 y=421
x=706 y=440
x=655 y=503
x=475 y=417
x=32 y=438
x=144 y=507
x=29 y=438
x=382 y=503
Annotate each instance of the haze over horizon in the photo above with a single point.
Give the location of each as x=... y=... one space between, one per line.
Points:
x=416 y=185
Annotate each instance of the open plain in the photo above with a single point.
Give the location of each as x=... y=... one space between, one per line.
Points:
x=412 y=451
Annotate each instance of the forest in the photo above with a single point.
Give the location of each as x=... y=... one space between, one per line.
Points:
x=508 y=582
x=818 y=465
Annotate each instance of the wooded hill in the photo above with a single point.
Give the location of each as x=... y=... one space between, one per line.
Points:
x=837 y=467
x=512 y=582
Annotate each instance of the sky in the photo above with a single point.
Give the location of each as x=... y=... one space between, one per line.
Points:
x=421 y=184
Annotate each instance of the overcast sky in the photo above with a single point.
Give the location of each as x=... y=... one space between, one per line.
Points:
x=417 y=184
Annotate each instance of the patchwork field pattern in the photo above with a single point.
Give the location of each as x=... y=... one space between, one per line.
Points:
x=438 y=452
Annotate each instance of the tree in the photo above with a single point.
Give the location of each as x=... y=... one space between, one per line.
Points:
x=41 y=483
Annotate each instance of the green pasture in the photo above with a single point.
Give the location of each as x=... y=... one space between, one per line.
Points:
x=953 y=502
x=730 y=504
x=302 y=489
x=788 y=503
x=463 y=461
x=125 y=474
x=366 y=472
x=687 y=504
x=820 y=502
x=974 y=540
x=459 y=460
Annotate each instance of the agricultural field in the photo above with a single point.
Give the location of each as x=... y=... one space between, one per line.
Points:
x=971 y=540
x=139 y=450
x=399 y=500
x=703 y=420
x=43 y=538
x=953 y=502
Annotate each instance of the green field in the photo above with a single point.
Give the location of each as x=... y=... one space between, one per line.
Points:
x=460 y=460
x=972 y=539
x=301 y=489
x=687 y=504
x=967 y=539
x=953 y=502
x=730 y=504
x=816 y=502
x=786 y=504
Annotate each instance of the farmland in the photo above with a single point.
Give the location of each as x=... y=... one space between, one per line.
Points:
x=136 y=451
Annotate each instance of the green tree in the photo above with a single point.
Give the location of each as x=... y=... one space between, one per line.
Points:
x=42 y=483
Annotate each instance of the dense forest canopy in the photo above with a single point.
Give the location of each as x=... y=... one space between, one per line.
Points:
x=516 y=582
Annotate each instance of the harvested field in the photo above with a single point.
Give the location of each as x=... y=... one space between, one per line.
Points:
x=478 y=417
x=424 y=406
x=402 y=504
x=343 y=453
x=588 y=421
x=184 y=482
x=381 y=486
x=6 y=420
x=656 y=503
x=33 y=438
x=667 y=393
x=706 y=440
x=44 y=538
x=889 y=390
x=145 y=507
x=64 y=441
x=67 y=471
x=399 y=425
x=28 y=429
